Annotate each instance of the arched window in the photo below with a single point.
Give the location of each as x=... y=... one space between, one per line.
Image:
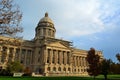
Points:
x=48 y=68
x=54 y=68
x=69 y=69
x=59 y=69
x=75 y=70
x=64 y=69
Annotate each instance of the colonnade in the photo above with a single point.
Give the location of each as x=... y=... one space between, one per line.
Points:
x=46 y=32
x=9 y=54
x=57 y=57
x=79 y=61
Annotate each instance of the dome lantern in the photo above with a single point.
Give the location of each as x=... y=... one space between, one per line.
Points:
x=46 y=14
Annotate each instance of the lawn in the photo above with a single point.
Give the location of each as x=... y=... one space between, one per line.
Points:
x=110 y=77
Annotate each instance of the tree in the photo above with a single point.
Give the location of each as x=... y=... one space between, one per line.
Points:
x=10 y=17
x=105 y=67
x=114 y=68
x=118 y=57
x=15 y=66
x=94 y=63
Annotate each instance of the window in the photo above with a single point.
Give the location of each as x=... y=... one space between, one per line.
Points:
x=59 y=69
x=48 y=68
x=68 y=69
x=54 y=68
x=48 y=57
x=49 y=32
x=64 y=69
x=44 y=31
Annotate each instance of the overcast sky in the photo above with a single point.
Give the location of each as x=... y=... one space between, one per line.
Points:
x=87 y=23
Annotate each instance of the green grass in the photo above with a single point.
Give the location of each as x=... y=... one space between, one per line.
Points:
x=46 y=78
x=110 y=77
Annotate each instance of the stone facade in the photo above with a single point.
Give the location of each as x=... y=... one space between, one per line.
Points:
x=45 y=54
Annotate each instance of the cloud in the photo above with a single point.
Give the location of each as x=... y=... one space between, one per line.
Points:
x=73 y=17
x=86 y=17
x=79 y=18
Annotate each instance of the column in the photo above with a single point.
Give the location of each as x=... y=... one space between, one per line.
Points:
x=70 y=58
x=65 y=57
x=20 y=54
x=13 y=54
x=56 y=56
x=53 y=61
x=53 y=34
x=45 y=55
x=75 y=60
x=61 y=57
x=31 y=57
x=47 y=34
x=81 y=61
x=84 y=61
x=51 y=56
x=25 y=56
x=7 y=55
x=67 y=54
x=0 y=54
x=78 y=60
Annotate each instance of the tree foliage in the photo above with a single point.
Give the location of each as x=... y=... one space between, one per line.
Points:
x=10 y=17
x=118 y=57
x=105 y=67
x=115 y=68
x=15 y=66
x=94 y=63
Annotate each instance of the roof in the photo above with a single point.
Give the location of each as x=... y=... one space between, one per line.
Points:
x=46 y=19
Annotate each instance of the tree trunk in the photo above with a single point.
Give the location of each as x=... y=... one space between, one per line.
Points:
x=94 y=77
x=105 y=77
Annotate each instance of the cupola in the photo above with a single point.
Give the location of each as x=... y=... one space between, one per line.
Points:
x=45 y=28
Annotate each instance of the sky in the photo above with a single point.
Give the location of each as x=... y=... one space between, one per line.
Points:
x=86 y=23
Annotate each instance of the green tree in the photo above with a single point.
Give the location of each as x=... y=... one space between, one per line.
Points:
x=10 y=17
x=105 y=67
x=93 y=60
x=15 y=66
x=115 y=68
x=118 y=57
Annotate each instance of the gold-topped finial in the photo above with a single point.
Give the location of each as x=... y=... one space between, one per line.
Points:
x=46 y=14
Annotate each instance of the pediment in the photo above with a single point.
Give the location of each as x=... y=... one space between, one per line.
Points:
x=57 y=44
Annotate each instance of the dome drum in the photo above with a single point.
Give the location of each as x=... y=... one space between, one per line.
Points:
x=45 y=24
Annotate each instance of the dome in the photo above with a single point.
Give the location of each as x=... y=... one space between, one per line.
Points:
x=46 y=19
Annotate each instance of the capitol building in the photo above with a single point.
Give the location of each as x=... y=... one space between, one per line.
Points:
x=45 y=54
